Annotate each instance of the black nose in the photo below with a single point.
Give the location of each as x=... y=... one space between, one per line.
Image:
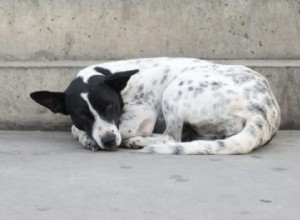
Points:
x=109 y=140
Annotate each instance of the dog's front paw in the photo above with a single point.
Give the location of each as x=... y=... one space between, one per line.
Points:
x=84 y=139
x=134 y=143
x=88 y=143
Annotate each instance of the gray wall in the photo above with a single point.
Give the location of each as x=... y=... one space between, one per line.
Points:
x=36 y=36
x=117 y=29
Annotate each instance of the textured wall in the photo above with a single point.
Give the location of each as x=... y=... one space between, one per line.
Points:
x=18 y=111
x=117 y=29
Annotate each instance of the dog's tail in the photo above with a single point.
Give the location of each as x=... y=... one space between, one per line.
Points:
x=256 y=132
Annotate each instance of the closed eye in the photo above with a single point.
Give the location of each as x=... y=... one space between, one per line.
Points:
x=84 y=115
x=109 y=108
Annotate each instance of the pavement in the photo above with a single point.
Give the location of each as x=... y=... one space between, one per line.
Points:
x=48 y=175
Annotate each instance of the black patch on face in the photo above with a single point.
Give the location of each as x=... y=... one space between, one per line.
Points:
x=102 y=70
x=79 y=111
x=105 y=100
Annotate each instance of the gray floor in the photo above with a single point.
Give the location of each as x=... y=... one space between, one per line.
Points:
x=47 y=175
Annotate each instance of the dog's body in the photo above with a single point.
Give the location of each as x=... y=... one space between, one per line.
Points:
x=226 y=109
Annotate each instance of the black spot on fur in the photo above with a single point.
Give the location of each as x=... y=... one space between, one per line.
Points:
x=166 y=71
x=259 y=124
x=203 y=84
x=151 y=149
x=191 y=88
x=140 y=88
x=103 y=71
x=221 y=144
x=198 y=91
x=268 y=102
x=164 y=79
x=216 y=85
x=241 y=78
x=255 y=108
x=178 y=149
x=185 y=69
x=251 y=130
x=260 y=87
x=181 y=83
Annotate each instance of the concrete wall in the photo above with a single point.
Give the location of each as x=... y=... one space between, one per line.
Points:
x=38 y=35
x=18 y=111
x=117 y=29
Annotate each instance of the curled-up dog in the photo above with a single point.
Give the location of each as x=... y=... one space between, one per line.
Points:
x=208 y=108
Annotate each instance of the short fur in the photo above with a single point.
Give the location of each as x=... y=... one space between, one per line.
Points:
x=216 y=109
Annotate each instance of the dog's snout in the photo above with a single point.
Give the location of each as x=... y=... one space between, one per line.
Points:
x=109 y=140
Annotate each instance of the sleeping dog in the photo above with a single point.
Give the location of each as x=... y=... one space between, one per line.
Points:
x=208 y=108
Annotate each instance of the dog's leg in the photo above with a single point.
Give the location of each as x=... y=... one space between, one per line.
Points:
x=139 y=142
x=84 y=139
x=172 y=134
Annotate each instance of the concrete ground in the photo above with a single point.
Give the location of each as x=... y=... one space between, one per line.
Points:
x=48 y=175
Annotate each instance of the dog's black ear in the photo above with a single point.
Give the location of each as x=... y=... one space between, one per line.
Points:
x=55 y=101
x=118 y=81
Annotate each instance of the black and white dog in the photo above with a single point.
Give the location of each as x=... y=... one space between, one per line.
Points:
x=208 y=108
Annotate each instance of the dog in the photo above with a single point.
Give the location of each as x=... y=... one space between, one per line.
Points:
x=207 y=108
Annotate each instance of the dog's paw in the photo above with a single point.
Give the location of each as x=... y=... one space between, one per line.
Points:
x=88 y=143
x=84 y=139
x=171 y=148
x=134 y=143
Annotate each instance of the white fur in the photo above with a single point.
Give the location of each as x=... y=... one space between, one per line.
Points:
x=212 y=98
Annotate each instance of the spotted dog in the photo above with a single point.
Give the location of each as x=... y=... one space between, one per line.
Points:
x=208 y=108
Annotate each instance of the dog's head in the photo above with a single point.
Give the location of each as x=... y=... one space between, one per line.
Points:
x=95 y=105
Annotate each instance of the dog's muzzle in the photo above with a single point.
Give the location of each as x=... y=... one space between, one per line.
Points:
x=109 y=142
